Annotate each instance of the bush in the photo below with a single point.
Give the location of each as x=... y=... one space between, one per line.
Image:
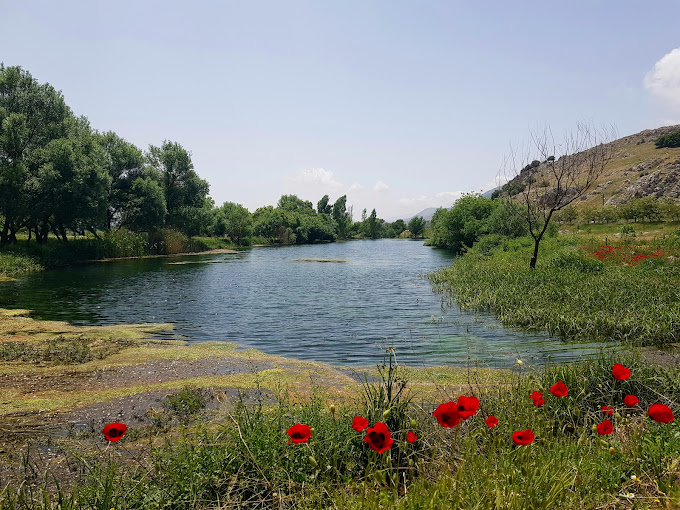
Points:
x=669 y=140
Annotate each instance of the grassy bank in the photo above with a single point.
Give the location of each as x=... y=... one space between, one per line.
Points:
x=27 y=256
x=575 y=291
x=240 y=457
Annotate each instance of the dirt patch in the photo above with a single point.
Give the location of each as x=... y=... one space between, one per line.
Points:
x=667 y=357
x=151 y=372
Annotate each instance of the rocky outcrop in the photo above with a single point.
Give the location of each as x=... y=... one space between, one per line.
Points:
x=660 y=183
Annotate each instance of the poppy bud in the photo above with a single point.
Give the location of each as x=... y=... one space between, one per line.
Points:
x=312 y=461
x=380 y=477
x=333 y=409
x=612 y=450
x=386 y=414
x=594 y=428
x=617 y=416
x=413 y=423
x=603 y=442
x=410 y=462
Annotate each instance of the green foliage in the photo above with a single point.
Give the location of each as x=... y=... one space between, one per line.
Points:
x=144 y=208
x=669 y=140
x=185 y=403
x=14 y=264
x=235 y=221
x=398 y=227
x=568 y=296
x=637 y=209
x=472 y=217
x=416 y=226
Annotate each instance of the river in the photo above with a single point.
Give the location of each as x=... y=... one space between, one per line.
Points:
x=343 y=313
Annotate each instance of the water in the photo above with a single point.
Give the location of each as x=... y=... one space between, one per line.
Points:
x=339 y=313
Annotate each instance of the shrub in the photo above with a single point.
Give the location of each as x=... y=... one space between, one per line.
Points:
x=669 y=140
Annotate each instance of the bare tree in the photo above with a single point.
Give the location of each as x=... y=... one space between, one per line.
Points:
x=546 y=184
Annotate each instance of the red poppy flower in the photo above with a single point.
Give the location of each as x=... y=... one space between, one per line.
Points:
x=114 y=431
x=620 y=372
x=467 y=406
x=631 y=400
x=609 y=411
x=447 y=415
x=605 y=428
x=299 y=433
x=661 y=413
x=523 y=437
x=379 y=437
x=559 y=389
x=491 y=421
x=538 y=399
x=411 y=437
x=359 y=423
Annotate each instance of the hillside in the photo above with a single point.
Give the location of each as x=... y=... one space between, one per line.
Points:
x=637 y=169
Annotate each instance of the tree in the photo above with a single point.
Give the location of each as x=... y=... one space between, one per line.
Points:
x=569 y=177
x=124 y=164
x=70 y=183
x=464 y=224
x=342 y=217
x=185 y=192
x=268 y=223
x=398 y=227
x=31 y=115
x=372 y=226
x=145 y=208
x=417 y=226
x=294 y=204
x=238 y=222
x=323 y=207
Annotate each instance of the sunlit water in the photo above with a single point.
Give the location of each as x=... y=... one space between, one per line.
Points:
x=339 y=313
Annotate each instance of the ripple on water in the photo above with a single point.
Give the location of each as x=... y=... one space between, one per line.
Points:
x=341 y=313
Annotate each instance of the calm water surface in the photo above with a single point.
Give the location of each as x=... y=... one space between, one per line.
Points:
x=340 y=313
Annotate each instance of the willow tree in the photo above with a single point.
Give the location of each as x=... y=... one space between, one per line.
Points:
x=543 y=189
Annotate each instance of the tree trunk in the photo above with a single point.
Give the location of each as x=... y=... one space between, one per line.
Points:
x=62 y=230
x=4 y=237
x=534 y=257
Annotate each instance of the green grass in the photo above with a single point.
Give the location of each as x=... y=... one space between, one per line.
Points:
x=571 y=294
x=245 y=460
x=24 y=256
x=15 y=264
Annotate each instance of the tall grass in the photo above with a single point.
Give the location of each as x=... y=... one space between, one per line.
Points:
x=25 y=256
x=571 y=293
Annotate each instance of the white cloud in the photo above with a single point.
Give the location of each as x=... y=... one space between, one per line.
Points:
x=355 y=186
x=663 y=82
x=317 y=176
x=380 y=187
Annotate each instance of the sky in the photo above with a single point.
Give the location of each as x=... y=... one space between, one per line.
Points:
x=400 y=105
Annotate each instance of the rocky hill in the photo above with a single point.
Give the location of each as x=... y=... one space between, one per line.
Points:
x=637 y=169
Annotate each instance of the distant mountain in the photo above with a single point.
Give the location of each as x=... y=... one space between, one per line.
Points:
x=425 y=213
x=487 y=194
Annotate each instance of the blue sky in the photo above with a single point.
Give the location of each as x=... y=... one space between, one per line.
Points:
x=401 y=105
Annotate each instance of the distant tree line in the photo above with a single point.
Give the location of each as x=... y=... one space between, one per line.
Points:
x=60 y=176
